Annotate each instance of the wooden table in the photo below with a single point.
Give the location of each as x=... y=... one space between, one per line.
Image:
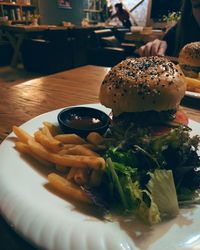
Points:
x=17 y=33
x=22 y=102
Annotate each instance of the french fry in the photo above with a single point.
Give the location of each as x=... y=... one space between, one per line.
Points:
x=99 y=148
x=52 y=128
x=95 y=138
x=22 y=135
x=86 y=145
x=63 y=152
x=81 y=176
x=62 y=169
x=78 y=150
x=45 y=130
x=197 y=90
x=193 y=84
x=24 y=149
x=70 y=176
x=39 y=150
x=65 y=187
x=95 y=178
x=77 y=161
x=67 y=146
x=70 y=139
x=50 y=143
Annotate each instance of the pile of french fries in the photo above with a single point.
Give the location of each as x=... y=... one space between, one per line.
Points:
x=74 y=161
x=193 y=84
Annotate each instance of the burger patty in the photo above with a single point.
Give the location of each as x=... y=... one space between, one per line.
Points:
x=145 y=118
x=150 y=122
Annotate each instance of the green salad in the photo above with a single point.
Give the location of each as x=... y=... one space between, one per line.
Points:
x=150 y=175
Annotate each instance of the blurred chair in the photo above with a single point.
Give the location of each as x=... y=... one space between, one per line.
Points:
x=46 y=56
x=6 y=53
x=107 y=50
x=120 y=32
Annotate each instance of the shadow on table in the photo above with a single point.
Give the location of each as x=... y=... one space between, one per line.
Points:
x=10 y=240
x=191 y=102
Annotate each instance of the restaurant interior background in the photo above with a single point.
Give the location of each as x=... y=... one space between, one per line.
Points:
x=47 y=36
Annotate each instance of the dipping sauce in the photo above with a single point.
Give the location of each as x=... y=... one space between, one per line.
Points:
x=83 y=122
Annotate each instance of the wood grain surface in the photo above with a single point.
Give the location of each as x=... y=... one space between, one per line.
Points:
x=22 y=102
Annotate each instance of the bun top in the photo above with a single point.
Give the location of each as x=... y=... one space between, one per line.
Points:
x=143 y=84
x=190 y=54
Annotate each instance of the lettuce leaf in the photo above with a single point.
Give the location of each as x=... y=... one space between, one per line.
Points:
x=163 y=192
x=131 y=197
x=149 y=214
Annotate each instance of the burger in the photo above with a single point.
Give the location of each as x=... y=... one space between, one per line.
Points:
x=144 y=91
x=189 y=59
x=152 y=156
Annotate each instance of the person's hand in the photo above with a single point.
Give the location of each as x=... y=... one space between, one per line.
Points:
x=153 y=48
x=107 y=21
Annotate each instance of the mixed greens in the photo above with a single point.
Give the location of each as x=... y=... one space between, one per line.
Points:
x=150 y=175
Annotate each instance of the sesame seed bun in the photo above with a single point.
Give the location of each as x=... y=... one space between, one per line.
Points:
x=143 y=84
x=189 y=59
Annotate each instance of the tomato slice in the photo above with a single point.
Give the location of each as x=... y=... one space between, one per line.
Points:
x=180 y=118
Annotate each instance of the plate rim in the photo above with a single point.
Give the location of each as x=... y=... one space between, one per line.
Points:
x=192 y=94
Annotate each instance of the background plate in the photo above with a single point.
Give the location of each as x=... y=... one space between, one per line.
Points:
x=50 y=222
x=192 y=94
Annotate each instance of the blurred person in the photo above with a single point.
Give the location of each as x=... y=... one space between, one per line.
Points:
x=186 y=30
x=122 y=15
x=110 y=10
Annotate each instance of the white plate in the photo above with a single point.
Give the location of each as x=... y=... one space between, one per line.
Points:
x=50 y=222
x=192 y=94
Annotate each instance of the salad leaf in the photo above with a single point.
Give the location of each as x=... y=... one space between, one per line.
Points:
x=149 y=214
x=125 y=157
x=163 y=191
x=130 y=194
x=98 y=201
x=117 y=183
